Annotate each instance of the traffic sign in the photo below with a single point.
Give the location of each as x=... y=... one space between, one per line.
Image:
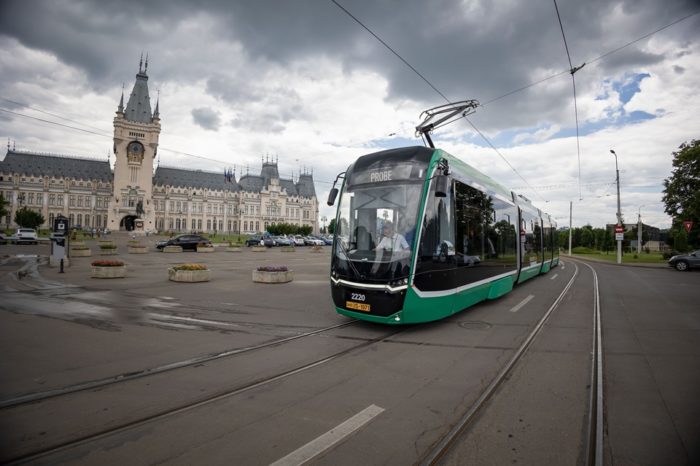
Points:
x=688 y=225
x=619 y=229
x=619 y=236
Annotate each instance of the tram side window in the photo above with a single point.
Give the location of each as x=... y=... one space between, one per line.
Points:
x=485 y=229
x=437 y=244
x=531 y=239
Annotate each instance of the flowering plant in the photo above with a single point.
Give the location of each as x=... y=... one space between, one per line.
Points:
x=106 y=263
x=272 y=268
x=190 y=267
x=204 y=245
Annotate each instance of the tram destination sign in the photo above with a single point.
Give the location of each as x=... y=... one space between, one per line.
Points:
x=383 y=174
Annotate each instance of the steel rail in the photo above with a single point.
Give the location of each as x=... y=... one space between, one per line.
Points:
x=89 y=385
x=95 y=436
x=446 y=442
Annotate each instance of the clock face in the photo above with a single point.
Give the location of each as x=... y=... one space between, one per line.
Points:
x=135 y=148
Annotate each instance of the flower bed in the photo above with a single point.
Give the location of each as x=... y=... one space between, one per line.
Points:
x=140 y=249
x=205 y=247
x=273 y=274
x=108 y=269
x=316 y=248
x=259 y=249
x=189 y=273
x=288 y=249
x=80 y=251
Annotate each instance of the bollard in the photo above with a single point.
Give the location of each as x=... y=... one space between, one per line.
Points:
x=61 y=269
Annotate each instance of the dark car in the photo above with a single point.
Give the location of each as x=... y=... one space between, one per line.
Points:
x=253 y=240
x=684 y=262
x=187 y=242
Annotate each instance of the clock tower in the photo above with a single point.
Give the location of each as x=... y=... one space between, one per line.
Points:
x=136 y=133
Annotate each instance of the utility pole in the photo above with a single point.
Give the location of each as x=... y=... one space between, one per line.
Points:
x=639 y=230
x=619 y=213
x=571 y=209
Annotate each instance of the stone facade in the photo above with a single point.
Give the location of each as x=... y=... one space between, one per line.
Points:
x=133 y=197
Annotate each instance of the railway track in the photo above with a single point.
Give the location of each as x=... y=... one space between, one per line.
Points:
x=594 y=431
x=43 y=453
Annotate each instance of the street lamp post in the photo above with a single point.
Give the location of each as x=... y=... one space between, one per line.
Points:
x=619 y=213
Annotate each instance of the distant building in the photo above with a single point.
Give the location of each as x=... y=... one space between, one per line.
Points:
x=652 y=236
x=134 y=198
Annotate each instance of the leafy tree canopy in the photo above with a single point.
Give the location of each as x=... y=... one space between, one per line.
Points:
x=3 y=206
x=27 y=218
x=682 y=189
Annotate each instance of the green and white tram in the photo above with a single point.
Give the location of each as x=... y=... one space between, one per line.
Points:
x=421 y=235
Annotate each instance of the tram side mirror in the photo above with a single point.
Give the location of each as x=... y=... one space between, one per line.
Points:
x=331 y=196
x=441 y=183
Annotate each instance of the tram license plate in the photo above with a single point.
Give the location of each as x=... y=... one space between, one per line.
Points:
x=357 y=306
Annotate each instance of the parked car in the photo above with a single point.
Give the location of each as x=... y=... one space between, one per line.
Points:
x=684 y=262
x=3 y=238
x=269 y=241
x=313 y=241
x=298 y=240
x=26 y=235
x=187 y=242
x=283 y=241
x=253 y=240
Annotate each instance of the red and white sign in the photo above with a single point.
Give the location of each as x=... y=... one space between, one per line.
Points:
x=619 y=229
x=688 y=225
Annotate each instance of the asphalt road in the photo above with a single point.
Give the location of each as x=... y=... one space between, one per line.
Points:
x=233 y=372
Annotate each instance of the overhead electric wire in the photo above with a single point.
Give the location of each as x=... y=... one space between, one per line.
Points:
x=110 y=136
x=572 y=70
x=438 y=91
x=591 y=61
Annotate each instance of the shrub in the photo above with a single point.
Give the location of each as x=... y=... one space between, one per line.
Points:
x=272 y=268
x=107 y=263
x=190 y=267
x=108 y=246
x=79 y=247
x=582 y=250
x=669 y=254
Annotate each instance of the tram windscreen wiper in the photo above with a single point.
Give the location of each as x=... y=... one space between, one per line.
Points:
x=346 y=253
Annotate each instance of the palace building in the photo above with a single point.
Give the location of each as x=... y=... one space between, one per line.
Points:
x=133 y=197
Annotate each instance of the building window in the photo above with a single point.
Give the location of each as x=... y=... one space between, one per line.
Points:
x=257 y=226
x=194 y=224
x=80 y=220
x=208 y=225
x=199 y=224
x=245 y=226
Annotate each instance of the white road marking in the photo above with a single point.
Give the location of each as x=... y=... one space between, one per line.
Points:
x=330 y=438
x=522 y=303
x=554 y=276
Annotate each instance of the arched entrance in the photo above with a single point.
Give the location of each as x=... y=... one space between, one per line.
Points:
x=127 y=223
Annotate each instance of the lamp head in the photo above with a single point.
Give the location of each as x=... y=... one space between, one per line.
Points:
x=612 y=152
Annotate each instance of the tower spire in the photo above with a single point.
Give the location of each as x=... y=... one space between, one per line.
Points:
x=141 y=62
x=120 y=109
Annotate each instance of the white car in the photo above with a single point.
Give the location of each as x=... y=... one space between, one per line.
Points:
x=298 y=240
x=26 y=235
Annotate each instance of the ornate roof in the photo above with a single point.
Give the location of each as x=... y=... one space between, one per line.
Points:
x=33 y=164
x=166 y=176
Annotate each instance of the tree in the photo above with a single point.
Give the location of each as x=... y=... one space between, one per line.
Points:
x=331 y=226
x=682 y=189
x=27 y=218
x=3 y=205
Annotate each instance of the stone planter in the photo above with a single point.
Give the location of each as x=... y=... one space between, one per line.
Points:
x=80 y=253
x=259 y=249
x=288 y=249
x=260 y=276
x=188 y=276
x=137 y=249
x=108 y=272
x=205 y=249
x=109 y=252
x=172 y=249
x=317 y=248
x=234 y=249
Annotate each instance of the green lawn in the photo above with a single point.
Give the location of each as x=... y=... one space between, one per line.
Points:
x=627 y=258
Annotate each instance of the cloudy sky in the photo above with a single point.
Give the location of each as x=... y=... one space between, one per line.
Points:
x=304 y=82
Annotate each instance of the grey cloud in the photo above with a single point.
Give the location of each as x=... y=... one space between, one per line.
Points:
x=206 y=118
x=465 y=49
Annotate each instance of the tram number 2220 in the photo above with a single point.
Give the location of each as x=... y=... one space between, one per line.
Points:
x=357 y=297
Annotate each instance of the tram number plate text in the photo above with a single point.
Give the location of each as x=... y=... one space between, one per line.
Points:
x=357 y=306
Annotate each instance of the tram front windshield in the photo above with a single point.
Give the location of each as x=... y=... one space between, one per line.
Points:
x=375 y=231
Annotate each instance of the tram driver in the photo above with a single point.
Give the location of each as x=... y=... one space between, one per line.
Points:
x=391 y=241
